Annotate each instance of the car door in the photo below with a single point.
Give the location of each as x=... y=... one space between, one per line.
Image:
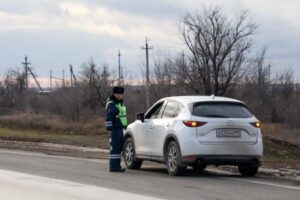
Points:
x=162 y=126
x=143 y=136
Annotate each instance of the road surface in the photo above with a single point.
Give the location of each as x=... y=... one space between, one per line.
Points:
x=26 y=175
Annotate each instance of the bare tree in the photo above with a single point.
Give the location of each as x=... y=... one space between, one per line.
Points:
x=187 y=76
x=163 y=79
x=14 y=88
x=96 y=81
x=218 y=47
x=255 y=89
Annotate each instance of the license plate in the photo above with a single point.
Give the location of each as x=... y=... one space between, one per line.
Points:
x=228 y=133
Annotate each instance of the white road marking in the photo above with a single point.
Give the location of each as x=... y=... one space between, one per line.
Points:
x=243 y=179
x=263 y=183
x=15 y=186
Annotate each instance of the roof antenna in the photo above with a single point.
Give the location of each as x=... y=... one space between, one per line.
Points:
x=212 y=96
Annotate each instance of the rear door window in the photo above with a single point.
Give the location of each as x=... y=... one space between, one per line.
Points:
x=172 y=109
x=221 y=110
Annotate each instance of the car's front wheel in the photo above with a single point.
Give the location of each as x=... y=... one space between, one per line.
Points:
x=247 y=170
x=129 y=155
x=173 y=160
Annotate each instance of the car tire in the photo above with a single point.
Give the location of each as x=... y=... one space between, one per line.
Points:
x=173 y=157
x=247 y=170
x=129 y=155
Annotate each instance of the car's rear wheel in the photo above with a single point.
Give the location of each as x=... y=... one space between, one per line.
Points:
x=173 y=160
x=129 y=155
x=247 y=170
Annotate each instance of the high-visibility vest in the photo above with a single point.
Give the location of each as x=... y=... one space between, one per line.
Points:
x=122 y=112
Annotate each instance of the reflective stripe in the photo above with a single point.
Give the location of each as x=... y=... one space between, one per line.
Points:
x=114 y=156
x=107 y=103
x=108 y=124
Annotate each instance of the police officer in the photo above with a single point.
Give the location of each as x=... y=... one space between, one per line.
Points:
x=115 y=122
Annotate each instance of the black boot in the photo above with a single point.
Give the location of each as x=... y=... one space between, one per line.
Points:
x=121 y=169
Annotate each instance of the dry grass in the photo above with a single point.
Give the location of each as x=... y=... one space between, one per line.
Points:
x=281 y=133
x=53 y=129
x=92 y=140
x=51 y=123
x=281 y=146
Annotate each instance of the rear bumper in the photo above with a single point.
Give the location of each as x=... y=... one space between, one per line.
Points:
x=254 y=161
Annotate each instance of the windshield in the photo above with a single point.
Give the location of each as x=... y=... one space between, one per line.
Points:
x=220 y=110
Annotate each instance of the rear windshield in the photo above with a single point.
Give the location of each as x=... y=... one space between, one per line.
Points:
x=221 y=110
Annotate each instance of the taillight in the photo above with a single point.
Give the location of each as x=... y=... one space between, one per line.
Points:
x=256 y=124
x=193 y=123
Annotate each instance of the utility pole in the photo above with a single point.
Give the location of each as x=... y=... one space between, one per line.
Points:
x=147 y=72
x=35 y=79
x=63 y=78
x=120 y=70
x=28 y=70
x=51 y=80
x=26 y=66
x=73 y=77
x=56 y=78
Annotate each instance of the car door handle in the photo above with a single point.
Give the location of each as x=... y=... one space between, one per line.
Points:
x=168 y=125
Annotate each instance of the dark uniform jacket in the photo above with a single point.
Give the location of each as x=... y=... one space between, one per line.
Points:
x=111 y=120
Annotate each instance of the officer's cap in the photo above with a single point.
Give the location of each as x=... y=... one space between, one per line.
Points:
x=118 y=90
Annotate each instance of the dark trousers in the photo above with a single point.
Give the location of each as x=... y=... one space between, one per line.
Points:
x=116 y=146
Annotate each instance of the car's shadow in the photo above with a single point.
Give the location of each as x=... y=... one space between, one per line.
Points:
x=190 y=173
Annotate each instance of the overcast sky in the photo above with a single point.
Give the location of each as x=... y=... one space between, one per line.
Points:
x=56 y=33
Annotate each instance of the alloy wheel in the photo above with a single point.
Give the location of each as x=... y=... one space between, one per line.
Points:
x=172 y=158
x=129 y=153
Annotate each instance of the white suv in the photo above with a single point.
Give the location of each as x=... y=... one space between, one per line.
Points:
x=195 y=131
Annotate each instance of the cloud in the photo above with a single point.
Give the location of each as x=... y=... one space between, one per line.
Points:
x=74 y=8
x=59 y=32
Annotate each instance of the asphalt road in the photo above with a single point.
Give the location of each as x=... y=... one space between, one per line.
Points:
x=151 y=181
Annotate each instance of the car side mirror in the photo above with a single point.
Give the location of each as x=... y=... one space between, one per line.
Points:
x=141 y=116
